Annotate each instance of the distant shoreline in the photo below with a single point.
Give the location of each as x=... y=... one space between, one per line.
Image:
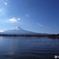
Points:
x=49 y=36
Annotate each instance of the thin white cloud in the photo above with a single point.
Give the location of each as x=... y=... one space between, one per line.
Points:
x=39 y=24
x=1 y=31
x=27 y=15
x=18 y=18
x=13 y=19
x=1 y=10
x=6 y=3
x=46 y=27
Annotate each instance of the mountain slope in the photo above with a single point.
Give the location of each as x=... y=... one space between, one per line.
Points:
x=20 y=31
x=17 y=30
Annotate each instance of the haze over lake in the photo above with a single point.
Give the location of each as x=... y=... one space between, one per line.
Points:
x=28 y=48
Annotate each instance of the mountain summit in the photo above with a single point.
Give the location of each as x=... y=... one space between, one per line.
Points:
x=17 y=28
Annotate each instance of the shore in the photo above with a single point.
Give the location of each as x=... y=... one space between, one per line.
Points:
x=49 y=36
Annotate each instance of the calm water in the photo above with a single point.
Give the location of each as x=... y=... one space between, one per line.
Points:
x=28 y=48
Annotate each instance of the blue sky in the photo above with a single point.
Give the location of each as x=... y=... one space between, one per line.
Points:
x=40 y=16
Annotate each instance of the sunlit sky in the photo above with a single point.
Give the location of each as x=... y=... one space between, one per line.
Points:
x=40 y=16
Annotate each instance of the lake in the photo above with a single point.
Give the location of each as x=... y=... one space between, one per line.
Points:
x=28 y=48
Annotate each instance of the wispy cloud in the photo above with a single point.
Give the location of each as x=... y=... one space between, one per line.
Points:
x=6 y=3
x=2 y=11
x=14 y=19
x=27 y=15
x=18 y=18
x=1 y=31
x=46 y=27
x=40 y=25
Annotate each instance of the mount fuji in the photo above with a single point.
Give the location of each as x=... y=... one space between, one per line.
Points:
x=20 y=31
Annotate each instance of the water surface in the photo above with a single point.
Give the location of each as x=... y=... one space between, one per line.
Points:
x=28 y=48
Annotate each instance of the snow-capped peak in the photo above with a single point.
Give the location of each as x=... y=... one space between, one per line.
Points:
x=16 y=28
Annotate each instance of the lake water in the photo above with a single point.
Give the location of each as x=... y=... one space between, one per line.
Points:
x=28 y=48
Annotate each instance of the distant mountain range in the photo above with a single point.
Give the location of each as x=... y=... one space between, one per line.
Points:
x=20 y=31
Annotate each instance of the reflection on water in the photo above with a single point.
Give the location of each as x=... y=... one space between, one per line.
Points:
x=28 y=48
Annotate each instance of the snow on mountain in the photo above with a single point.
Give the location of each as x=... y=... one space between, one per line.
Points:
x=17 y=28
x=19 y=31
